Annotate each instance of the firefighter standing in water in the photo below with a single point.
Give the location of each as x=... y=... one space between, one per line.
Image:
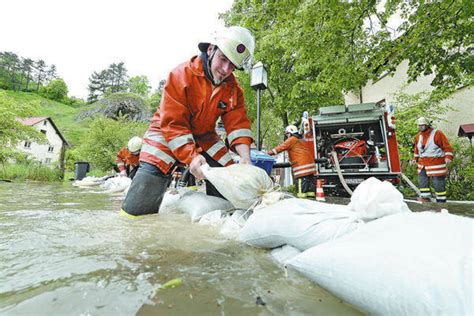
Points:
x=128 y=158
x=182 y=131
x=301 y=159
x=433 y=153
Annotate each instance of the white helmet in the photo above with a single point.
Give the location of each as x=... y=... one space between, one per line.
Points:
x=237 y=44
x=422 y=121
x=291 y=129
x=134 y=144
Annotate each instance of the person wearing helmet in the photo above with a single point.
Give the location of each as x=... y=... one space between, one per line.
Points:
x=128 y=157
x=183 y=129
x=433 y=154
x=302 y=161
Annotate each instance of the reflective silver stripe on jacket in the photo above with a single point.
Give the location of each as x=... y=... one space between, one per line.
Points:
x=180 y=141
x=158 y=153
x=120 y=164
x=157 y=137
x=243 y=132
x=435 y=167
x=304 y=166
x=215 y=148
x=430 y=150
x=304 y=171
x=225 y=159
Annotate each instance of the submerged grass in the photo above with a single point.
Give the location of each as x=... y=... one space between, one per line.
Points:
x=29 y=171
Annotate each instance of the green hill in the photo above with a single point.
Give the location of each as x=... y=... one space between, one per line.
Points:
x=63 y=115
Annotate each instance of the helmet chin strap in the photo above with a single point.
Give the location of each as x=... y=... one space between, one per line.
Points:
x=209 y=72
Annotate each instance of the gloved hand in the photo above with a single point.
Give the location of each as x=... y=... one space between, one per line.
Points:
x=270 y=152
x=412 y=162
x=447 y=161
x=123 y=173
x=195 y=167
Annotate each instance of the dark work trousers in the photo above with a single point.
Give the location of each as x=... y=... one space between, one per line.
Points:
x=305 y=186
x=439 y=184
x=146 y=191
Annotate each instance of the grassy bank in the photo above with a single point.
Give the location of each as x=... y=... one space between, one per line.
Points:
x=29 y=171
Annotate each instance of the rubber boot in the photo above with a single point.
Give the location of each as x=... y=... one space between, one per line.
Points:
x=146 y=193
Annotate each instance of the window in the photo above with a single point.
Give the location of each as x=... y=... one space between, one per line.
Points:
x=45 y=122
x=47 y=160
x=43 y=131
x=50 y=149
x=27 y=144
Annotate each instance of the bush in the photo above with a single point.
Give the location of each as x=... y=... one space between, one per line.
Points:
x=105 y=139
x=55 y=90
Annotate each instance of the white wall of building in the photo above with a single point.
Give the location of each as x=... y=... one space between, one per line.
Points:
x=462 y=101
x=43 y=152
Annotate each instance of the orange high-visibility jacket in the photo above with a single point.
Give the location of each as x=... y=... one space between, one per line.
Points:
x=431 y=151
x=302 y=161
x=126 y=158
x=185 y=122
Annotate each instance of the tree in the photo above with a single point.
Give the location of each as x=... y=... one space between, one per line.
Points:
x=107 y=81
x=51 y=73
x=139 y=85
x=40 y=73
x=56 y=90
x=27 y=70
x=11 y=130
x=436 y=38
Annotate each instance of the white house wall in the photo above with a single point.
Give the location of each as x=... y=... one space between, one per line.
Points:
x=40 y=151
x=388 y=86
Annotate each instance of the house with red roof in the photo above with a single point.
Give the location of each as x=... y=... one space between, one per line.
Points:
x=50 y=153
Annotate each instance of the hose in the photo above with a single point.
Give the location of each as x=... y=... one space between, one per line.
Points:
x=339 y=173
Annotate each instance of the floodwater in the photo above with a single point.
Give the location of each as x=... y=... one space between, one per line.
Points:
x=65 y=251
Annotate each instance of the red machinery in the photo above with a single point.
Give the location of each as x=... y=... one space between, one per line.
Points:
x=352 y=143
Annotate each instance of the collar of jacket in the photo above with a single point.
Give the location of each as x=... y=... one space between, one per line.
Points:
x=199 y=67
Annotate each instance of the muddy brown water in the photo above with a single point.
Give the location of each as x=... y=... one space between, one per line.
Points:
x=65 y=251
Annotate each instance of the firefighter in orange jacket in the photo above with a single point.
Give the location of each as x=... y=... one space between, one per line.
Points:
x=433 y=153
x=183 y=129
x=302 y=161
x=128 y=157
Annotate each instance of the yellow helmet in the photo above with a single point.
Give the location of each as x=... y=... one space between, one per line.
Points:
x=134 y=144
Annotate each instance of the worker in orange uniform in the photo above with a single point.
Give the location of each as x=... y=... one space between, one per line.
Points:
x=433 y=153
x=183 y=129
x=128 y=158
x=301 y=159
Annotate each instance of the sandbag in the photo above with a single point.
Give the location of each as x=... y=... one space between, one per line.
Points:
x=170 y=200
x=241 y=184
x=233 y=224
x=298 y=223
x=403 y=264
x=283 y=254
x=116 y=184
x=196 y=204
x=374 y=199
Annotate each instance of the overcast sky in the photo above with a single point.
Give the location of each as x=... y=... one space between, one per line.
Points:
x=150 y=36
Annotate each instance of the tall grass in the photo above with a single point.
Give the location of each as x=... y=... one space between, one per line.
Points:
x=29 y=171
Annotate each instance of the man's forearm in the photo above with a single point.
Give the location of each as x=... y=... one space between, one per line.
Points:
x=243 y=150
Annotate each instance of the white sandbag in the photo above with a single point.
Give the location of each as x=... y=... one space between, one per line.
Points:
x=241 y=184
x=374 y=199
x=170 y=202
x=88 y=182
x=403 y=264
x=283 y=254
x=233 y=224
x=196 y=204
x=298 y=223
x=116 y=184
x=214 y=218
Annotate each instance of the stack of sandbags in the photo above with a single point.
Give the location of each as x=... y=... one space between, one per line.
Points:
x=195 y=204
x=402 y=264
x=298 y=223
x=116 y=184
